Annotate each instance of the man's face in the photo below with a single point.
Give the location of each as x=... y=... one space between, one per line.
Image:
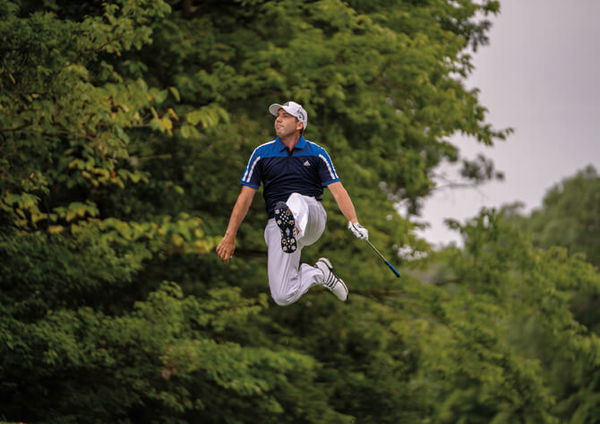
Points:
x=286 y=124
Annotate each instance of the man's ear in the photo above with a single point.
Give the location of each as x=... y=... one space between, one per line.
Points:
x=299 y=126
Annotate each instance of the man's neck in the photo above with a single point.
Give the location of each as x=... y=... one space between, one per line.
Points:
x=290 y=141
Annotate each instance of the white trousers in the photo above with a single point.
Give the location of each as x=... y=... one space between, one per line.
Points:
x=288 y=280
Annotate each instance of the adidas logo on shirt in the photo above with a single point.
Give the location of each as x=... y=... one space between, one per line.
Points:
x=306 y=163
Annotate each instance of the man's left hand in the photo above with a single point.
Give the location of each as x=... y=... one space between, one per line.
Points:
x=358 y=230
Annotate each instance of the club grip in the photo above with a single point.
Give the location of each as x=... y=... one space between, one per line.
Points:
x=394 y=270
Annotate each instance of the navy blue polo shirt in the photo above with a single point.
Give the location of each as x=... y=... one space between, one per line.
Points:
x=305 y=170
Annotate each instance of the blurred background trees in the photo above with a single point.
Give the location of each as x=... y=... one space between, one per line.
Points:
x=124 y=128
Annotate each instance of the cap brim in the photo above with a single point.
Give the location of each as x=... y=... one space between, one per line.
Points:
x=274 y=108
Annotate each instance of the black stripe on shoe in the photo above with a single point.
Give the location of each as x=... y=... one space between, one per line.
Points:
x=331 y=281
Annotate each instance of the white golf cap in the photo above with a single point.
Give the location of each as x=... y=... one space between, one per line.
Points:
x=293 y=109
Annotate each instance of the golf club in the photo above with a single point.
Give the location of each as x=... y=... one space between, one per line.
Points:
x=394 y=270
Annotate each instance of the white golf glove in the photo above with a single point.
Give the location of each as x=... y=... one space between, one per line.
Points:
x=358 y=230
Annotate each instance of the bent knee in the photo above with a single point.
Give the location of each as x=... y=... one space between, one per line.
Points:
x=282 y=299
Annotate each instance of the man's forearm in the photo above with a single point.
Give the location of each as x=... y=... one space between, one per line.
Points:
x=226 y=247
x=343 y=201
x=240 y=210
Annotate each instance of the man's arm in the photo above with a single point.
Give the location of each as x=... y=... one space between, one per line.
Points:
x=226 y=247
x=343 y=201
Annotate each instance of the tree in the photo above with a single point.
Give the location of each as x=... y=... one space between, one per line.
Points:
x=83 y=338
x=528 y=293
x=125 y=126
x=570 y=216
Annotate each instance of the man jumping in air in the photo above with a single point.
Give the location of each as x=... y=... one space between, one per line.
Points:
x=294 y=172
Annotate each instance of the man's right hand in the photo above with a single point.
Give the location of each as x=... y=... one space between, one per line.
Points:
x=226 y=248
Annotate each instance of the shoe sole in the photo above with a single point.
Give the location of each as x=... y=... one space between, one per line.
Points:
x=287 y=224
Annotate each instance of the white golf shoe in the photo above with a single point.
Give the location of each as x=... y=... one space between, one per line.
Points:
x=331 y=281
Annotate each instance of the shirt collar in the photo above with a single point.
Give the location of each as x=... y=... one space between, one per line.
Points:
x=299 y=145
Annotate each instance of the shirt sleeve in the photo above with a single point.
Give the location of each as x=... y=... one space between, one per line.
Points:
x=327 y=172
x=252 y=174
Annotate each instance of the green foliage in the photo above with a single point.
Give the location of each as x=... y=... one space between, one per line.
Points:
x=533 y=292
x=124 y=127
x=570 y=216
